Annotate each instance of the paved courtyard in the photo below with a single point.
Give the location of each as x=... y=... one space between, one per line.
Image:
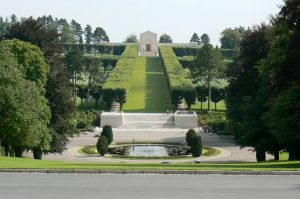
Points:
x=229 y=151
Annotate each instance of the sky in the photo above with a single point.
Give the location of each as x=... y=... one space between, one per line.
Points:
x=178 y=18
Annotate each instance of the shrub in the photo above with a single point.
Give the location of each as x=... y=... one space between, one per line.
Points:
x=81 y=124
x=102 y=145
x=189 y=136
x=196 y=146
x=108 y=133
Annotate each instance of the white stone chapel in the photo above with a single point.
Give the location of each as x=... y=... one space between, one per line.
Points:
x=148 y=44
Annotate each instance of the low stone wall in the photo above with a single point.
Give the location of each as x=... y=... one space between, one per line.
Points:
x=114 y=119
x=186 y=120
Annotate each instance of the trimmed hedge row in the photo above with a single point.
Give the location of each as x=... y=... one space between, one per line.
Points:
x=186 y=51
x=110 y=60
x=96 y=48
x=179 y=81
x=119 y=80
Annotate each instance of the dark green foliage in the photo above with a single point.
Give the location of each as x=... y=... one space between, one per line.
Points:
x=164 y=38
x=217 y=94
x=81 y=125
x=132 y=38
x=204 y=39
x=88 y=119
x=189 y=137
x=207 y=66
x=58 y=90
x=102 y=145
x=215 y=121
x=37 y=153
x=185 y=51
x=196 y=146
x=99 y=35
x=96 y=93
x=189 y=97
x=108 y=133
x=202 y=94
x=82 y=93
x=195 y=38
x=120 y=96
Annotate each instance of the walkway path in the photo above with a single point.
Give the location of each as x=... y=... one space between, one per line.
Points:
x=229 y=151
x=149 y=91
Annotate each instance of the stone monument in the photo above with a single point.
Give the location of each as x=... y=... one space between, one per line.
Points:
x=148 y=44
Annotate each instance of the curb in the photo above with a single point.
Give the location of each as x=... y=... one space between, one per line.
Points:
x=158 y=172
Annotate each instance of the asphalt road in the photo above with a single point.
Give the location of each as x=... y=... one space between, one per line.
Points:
x=55 y=186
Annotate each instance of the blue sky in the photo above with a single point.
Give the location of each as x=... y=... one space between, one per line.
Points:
x=179 y=18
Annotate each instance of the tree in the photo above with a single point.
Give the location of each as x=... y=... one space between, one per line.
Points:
x=132 y=38
x=58 y=90
x=204 y=40
x=82 y=93
x=202 y=94
x=164 y=38
x=4 y=24
x=248 y=93
x=195 y=38
x=88 y=33
x=189 y=97
x=66 y=32
x=100 y=35
x=102 y=145
x=108 y=133
x=77 y=30
x=217 y=94
x=207 y=66
x=96 y=93
x=24 y=111
x=74 y=60
x=230 y=39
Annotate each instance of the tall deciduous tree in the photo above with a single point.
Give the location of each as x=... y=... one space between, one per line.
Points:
x=195 y=38
x=25 y=113
x=204 y=39
x=207 y=66
x=100 y=35
x=58 y=90
x=88 y=33
x=165 y=38
x=132 y=38
x=77 y=30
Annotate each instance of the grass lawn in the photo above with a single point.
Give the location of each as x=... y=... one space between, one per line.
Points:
x=26 y=163
x=148 y=91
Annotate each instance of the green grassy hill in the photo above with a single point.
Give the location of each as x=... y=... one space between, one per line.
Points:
x=148 y=91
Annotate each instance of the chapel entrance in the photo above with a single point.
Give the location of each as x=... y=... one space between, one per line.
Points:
x=148 y=47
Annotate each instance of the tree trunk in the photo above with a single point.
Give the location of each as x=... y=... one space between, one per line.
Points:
x=209 y=96
x=18 y=152
x=37 y=153
x=215 y=106
x=74 y=87
x=276 y=155
x=260 y=155
x=201 y=105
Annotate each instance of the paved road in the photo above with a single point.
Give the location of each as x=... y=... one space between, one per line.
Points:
x=36 y=186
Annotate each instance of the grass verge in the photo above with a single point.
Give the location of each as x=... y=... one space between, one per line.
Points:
x=26 y=163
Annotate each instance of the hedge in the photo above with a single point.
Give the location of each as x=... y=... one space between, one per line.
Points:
x=179 y=80
x=119 y=80
x=186 y=51
x=105 y=48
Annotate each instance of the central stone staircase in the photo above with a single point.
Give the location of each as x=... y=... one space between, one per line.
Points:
x=148 y=121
